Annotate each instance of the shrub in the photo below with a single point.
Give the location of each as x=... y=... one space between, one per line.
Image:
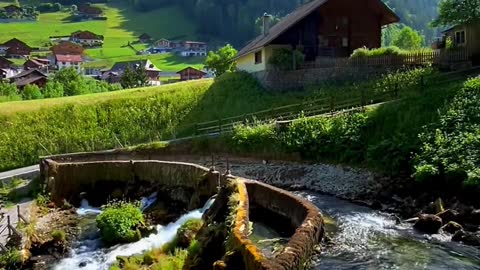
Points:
x=194 y=248
x=31 y=91
x=11 y=259
x=120 y=222
x=53 y=90
x=42 y=200
x=250 y=138
x=58 y=236
x=283 y=58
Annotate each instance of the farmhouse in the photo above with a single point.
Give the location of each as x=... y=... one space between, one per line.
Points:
x=67 y=48
x=12 y=9
x=465 y=36
x=63 y=61
x=320 y=28
x=36 y=63
x=115 y=74
x=87 y=38
x=193 y=48
x=87 y=11
x=15 y=48
x=144 y=38
x=32 y=76
x=191 y=73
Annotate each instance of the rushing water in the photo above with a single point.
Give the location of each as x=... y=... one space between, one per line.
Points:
x=367 y=239
x=90 y=254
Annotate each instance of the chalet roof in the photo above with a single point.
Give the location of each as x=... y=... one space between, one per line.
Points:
x=30 y=72
x=86 y=35
x=191 y=68
x=145 y=36
x=121 y=66
x=296 y=16
x=12 y=7
x=15 y=42
x=67 y=47
x=68 y=58
x=29 y=80
x=90 y=10
x=37 y=62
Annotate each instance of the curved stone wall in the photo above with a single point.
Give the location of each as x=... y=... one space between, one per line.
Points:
x=65 y=179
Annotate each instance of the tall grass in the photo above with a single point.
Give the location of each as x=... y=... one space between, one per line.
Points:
x=386 y=51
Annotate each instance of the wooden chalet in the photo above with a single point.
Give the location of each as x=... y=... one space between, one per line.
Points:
x=12 y=9
x=5 y=63
x=86 y=38
x=32 y=76
x=36 y=63
x=191 y=73
x=67 y=48
x=114 y=74
x=320 y=28
x=15 y=48
x=145 y=38
x=88 y=11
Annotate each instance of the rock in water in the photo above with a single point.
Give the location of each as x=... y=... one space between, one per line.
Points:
x=452 y=227
x=468 y=238
x=82 y=264
x=448 y=215
x=475 y=217
x=428 y=224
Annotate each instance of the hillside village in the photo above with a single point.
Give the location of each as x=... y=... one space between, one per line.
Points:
x=336 y=137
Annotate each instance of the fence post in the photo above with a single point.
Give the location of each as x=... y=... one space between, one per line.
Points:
x=8 y=225
x=18 y=212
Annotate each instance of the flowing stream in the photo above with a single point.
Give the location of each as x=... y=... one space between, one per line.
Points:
x=367 y=239
x=91 y=254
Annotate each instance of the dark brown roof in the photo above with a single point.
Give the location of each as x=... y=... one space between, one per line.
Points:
x=191 y=68
x=86 y=35
x=67 y=47
x=29 y=80
x=296 y=16
x=5 y=62
x=30 y=72
x=15 y=42
x=145 y=36
x=90 y=10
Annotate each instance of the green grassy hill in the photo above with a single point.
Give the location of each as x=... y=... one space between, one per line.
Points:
x=123 y=25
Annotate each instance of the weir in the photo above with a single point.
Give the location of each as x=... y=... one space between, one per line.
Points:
x=191 y=186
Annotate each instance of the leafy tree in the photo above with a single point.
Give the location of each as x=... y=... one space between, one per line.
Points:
x=408 y=39
x=73 y=83
x=134 y=77
x=454 y=12
x=222 y=61
x=53 y=89
x=31 y=91
x=8 y=89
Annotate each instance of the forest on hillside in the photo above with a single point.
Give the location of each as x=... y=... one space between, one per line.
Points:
x=234 y=20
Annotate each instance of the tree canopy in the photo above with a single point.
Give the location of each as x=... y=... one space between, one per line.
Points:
x=407 y=39
x=221 y=61
x=455 y=12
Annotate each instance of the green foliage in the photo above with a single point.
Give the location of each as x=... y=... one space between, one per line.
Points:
x=134 y=77
x=250 y=138
x=384 y=51
x=42 y=200
x=31 y=91
x=11 y=260
x=120 y=222
x=449 y=45
x=58 y=236
x=408 y=39
x=53 y=89
x=457 y=12
x=286 y=59
x=194 y=248
x=8 y=89
x=221 y=61
x=450 y=147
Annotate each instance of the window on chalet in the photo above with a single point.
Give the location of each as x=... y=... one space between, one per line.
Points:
x=460 y=37
x=258 y=57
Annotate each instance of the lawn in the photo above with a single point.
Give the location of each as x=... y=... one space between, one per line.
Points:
x=124 y=25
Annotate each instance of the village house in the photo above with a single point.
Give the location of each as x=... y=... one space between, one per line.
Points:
x=193 y=48
x=191 y=73
x=320 y=28
x=87 y=12
x=465 y=36
x=15 y=48
x=11 y=10
x=37 y=63
x=32 y=76
x=63 y=61
x=115 y=74
x=5 y=63
x=145 y=38
x=87 y=38
x=67 y=47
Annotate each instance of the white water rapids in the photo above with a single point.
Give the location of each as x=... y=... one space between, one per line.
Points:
x=92 y=255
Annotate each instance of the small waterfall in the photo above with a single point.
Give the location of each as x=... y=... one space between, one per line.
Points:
x=91 y=255
x=86 y=209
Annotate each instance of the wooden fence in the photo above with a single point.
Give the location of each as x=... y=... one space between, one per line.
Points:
x=326 y=106
x=422 y=58
x=12 y=230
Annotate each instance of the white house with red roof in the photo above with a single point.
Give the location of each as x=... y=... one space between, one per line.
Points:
x=69 y=60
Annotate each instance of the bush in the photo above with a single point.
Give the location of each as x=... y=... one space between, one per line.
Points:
x=249 y=138
x=31 y=91
x=58 y=236
x=283 y=59
x=11 y=260
x=450 y=146
x=53 y=90
x=120 y=222
x=384 y=51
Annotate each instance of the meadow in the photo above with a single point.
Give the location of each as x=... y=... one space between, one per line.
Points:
x=124 y=25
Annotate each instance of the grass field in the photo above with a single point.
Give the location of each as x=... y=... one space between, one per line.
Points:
x=123 y=25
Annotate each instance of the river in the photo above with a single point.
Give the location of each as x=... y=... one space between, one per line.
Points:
x=367 y=239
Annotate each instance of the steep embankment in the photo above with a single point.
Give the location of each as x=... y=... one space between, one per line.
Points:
x=104 y=121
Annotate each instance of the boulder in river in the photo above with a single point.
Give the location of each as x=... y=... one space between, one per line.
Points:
x=448 y=215
x=468 y=238
x=452 y=227
x=475 y=217
x=428 y=224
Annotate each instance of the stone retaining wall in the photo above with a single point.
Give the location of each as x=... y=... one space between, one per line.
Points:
x=66 y=179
